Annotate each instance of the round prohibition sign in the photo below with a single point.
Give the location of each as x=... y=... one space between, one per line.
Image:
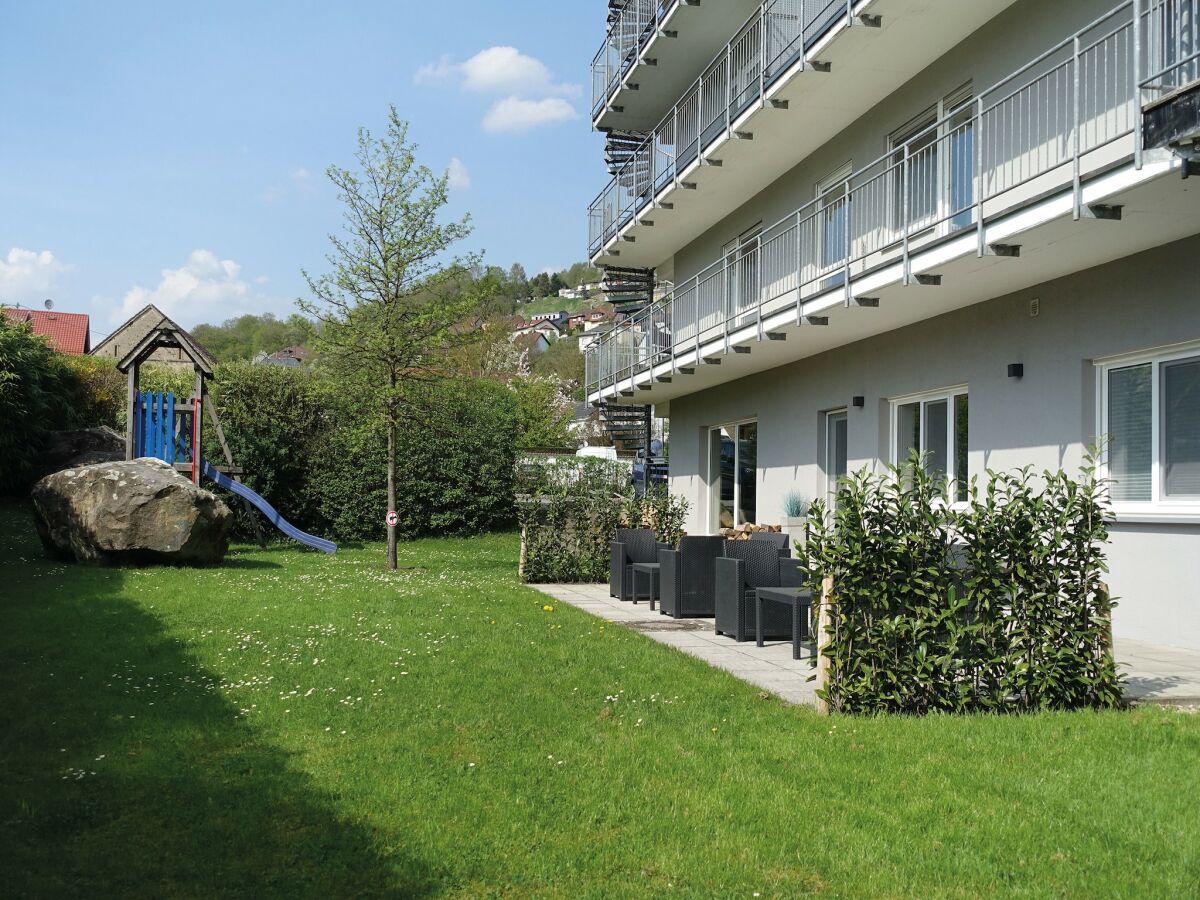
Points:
x=391 y=519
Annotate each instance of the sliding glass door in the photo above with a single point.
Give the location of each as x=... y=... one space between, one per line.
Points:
x=732 y=475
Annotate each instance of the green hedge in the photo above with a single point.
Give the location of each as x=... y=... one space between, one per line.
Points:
x=42 y=390
x=319 y=457
x=570 y=511
x=998 y=607
x=309 y=448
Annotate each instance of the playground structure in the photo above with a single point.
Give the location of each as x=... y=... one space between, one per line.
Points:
x=163 y=427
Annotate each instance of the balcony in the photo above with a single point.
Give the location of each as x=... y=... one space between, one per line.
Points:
x=650 y=55
x=795 y=74
x=1038 y=176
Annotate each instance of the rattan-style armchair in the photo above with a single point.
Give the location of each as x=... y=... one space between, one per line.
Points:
x=745 y=567
x=780 y=541
x=632 y=545
x=686 y=576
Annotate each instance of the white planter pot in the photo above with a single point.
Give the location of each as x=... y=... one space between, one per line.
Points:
x=795 y=527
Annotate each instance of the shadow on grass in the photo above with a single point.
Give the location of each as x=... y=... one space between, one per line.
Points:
x=126 y=773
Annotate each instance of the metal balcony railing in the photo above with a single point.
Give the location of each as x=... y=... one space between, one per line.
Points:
x=775 y=37
x=1172 y=43
x=1078 y=97
x=627 y=35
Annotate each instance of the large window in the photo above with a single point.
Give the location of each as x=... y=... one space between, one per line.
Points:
x=1150 y=418
x=733 y=475
x=935 y=425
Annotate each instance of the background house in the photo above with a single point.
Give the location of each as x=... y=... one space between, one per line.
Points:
x=132 y=332
x=67 y=332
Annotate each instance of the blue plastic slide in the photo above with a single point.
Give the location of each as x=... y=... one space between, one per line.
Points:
x=267 y=510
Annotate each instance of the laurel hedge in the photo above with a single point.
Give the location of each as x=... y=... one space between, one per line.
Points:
x=319 y=453
x=998 y=606
x=569 y=513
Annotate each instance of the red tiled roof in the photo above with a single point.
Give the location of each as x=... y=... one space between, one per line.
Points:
x=68 y=332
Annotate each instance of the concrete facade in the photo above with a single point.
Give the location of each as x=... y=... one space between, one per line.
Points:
x=1046 y=419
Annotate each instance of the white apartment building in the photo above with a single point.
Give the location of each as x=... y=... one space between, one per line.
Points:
x=960 y=226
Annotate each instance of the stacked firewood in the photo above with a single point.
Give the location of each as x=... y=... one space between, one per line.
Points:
x=743 y=531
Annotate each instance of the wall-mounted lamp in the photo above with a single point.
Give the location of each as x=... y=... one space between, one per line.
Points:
x=1016 y=370
x=859 y=402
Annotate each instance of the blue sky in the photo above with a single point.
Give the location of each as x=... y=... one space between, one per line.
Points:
x=175 y=153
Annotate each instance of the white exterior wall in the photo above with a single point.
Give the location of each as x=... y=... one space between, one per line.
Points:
x=1045 y=419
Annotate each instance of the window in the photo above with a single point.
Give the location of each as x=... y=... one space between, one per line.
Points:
x=935 y=425
x=1150 y=417
x=741 y=272
x=937 y=151
x=831 y=195
x=733 y=475
x=836 y=434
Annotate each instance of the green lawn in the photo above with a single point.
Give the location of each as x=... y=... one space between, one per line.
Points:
x=295 y=725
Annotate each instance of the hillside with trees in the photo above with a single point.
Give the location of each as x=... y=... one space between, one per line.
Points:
x=506 y=292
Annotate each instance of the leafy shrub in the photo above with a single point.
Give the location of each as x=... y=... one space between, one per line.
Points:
x=42 y=390
x=312 y=451
x=569 y=513
x=97 y=392
x=455 y=461
x=998 y=607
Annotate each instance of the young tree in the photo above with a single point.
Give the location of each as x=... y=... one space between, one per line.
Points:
x=393 y=303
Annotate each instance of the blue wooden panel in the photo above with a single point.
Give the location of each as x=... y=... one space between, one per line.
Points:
x=169 y=437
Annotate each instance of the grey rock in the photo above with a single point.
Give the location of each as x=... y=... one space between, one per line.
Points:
x=135 y=512
x=83 y=447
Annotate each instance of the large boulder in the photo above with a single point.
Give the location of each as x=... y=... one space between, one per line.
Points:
x=82 y=447
x=130 y=512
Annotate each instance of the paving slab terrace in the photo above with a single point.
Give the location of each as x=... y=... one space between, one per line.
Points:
x=1154 y=673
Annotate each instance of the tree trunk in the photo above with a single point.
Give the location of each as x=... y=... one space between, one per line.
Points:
x=391 y=487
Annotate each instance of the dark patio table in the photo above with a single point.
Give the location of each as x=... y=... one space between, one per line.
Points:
x=651 y=571
x=800 y=600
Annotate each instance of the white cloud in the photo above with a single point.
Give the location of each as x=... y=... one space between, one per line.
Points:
x=506 y=70
x=532 y=96
x=442 y=70
x=204 y=288
x=26 y=276
x=513 y=114
x=458 y=175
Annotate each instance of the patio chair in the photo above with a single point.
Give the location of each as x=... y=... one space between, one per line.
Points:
x=745 y=567
x=780 y=541
x=686 y=576
x=631 y=545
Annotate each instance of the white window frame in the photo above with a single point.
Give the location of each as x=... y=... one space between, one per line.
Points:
x=947 y=394
x=741 y=256
x=714 y=502
x=939 y=115
x=832 y=416
x=1159 y=508
x=824 y=191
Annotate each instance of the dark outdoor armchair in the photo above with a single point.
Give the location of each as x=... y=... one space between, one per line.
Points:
x=780 y=541
x=686 y=576
x=632 y=545
x=745 y=567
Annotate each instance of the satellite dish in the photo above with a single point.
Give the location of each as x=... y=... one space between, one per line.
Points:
x=49 y=304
